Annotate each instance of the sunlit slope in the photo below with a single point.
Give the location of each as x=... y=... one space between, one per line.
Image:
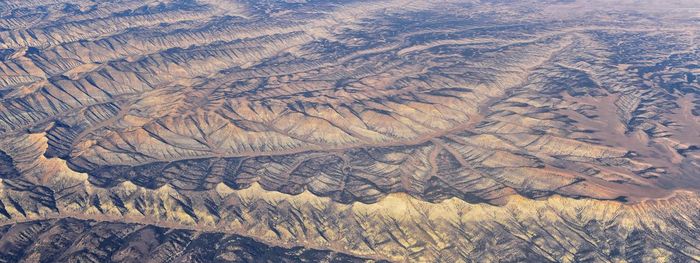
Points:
x=397 y=130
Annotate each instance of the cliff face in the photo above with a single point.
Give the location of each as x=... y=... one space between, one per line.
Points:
x=350 y=130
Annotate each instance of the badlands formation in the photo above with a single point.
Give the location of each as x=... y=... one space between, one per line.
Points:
x=349 y=131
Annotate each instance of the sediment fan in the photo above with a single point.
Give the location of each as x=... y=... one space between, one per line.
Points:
x=349 y=131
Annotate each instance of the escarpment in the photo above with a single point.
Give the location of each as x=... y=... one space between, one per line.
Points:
x=202 y=130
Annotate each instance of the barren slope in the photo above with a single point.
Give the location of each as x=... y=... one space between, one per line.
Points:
x=397 y=130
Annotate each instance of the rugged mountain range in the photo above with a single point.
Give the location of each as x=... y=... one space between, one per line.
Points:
x=349 y=130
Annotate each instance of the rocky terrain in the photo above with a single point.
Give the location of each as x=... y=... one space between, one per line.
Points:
x=349 y=130
x=89 y=241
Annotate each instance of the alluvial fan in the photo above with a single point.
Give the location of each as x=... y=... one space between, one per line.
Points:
x=349 y=131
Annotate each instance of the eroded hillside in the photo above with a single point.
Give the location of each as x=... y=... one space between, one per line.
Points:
x=350 y=130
